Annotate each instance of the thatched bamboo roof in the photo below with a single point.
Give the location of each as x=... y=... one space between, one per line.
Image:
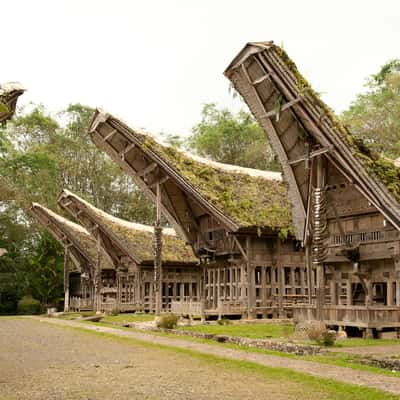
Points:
x=240 y=198
x=73 y=235
x=9 y=93
x=135 y=240
x=293 y=116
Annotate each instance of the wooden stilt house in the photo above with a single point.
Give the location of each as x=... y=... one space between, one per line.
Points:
x=237 y=221
x=84 y=264
x=9 y=93
x=130 y=245
x=344 y=196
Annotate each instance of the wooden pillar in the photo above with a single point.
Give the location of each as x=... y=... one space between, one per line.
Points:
x=310 y=282
x=389 y=292
x=251 y=281
x=202 y=292
x=263 y=286
x=66 y=280
x=349 y=294
x=302 y=282
x=281 y=278
x=292 y=280
x=158 y=254
x=368 y=292
x=97 y=282
x=333 y=290
x=398 y=292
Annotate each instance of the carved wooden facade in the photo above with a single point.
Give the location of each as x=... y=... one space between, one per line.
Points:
x=343 y=211
x=9 y=93
x=130 y=247
x=232 y=217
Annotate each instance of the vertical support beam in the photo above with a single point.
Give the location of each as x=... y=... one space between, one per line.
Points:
x=97 y=279
x=157 y=243
x=310 y=285
x=250 y=281
x=66 y=280
x=333 y=290
x=302 y=281
x=202 y=293
x=398 y=292
x=281 y=277
x=389 y=292
x=263 y=286
x=320 y=292
x=349 y=294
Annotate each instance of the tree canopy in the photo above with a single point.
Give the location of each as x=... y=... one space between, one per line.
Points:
x=375 y=114
x=232 y=138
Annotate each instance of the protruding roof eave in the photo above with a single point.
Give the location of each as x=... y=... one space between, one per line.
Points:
x=102 y=117
x=81 y=204
x=9 y=93
x=275 y=67
x=249 y=49
x=75 y=237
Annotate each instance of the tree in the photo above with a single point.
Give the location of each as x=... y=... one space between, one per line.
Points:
x=375 y=114
x=40 y=154
x=232 y=138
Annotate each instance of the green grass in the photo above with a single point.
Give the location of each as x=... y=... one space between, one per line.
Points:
x=128 y=317
x=356 y=342
x=314 y=387
x=253 y=331
x=332 y=358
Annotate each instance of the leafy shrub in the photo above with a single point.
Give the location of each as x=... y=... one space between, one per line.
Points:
x=224 y=321
x=28 y=306
x=319 y=333
x=168 y=321
x=328 y=338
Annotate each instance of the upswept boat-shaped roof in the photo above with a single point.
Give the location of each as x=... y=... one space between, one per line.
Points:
x=81 y=244
x=296 y=119
x=9 y=93
x=127 y=238
x=240 y=198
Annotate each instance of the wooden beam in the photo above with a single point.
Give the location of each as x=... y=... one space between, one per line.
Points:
x=159 y=181
x=109 y=135
x=152 y=166
x=126 y=150
x=311 y=155
x=284 y=107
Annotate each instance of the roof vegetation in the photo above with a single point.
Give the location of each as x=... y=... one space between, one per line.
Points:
x=376 y=165
x=249 y=200
x=138 y=238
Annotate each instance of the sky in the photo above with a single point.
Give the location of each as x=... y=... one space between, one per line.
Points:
x=154 y=63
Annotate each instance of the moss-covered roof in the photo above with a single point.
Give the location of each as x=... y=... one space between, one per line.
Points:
x=138 y=238
x=249 y=197
x=377 y=165
x=76 y=234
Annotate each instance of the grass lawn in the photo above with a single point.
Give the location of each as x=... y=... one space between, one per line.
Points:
x=309 y=387
x=253 y=331
x=128 y=317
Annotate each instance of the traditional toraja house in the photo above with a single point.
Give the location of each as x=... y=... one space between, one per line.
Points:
x=237 y=220
x=130 y=245
x=344 y=196
x=9 y=93
x=85 y=265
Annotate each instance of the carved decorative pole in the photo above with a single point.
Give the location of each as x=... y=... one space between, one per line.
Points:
x=97 y=278
x=157 y=248
x=66 y=280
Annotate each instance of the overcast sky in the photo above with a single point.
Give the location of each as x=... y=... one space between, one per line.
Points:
x=155 y=62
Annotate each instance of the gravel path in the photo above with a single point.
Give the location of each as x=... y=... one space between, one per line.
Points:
x=39 y=361
x=348 y=375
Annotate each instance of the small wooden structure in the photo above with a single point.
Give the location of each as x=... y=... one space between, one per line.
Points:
x=236 y=219
x=9 y=93
x=130 y=246
x=344 y=197
x=85 y=265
